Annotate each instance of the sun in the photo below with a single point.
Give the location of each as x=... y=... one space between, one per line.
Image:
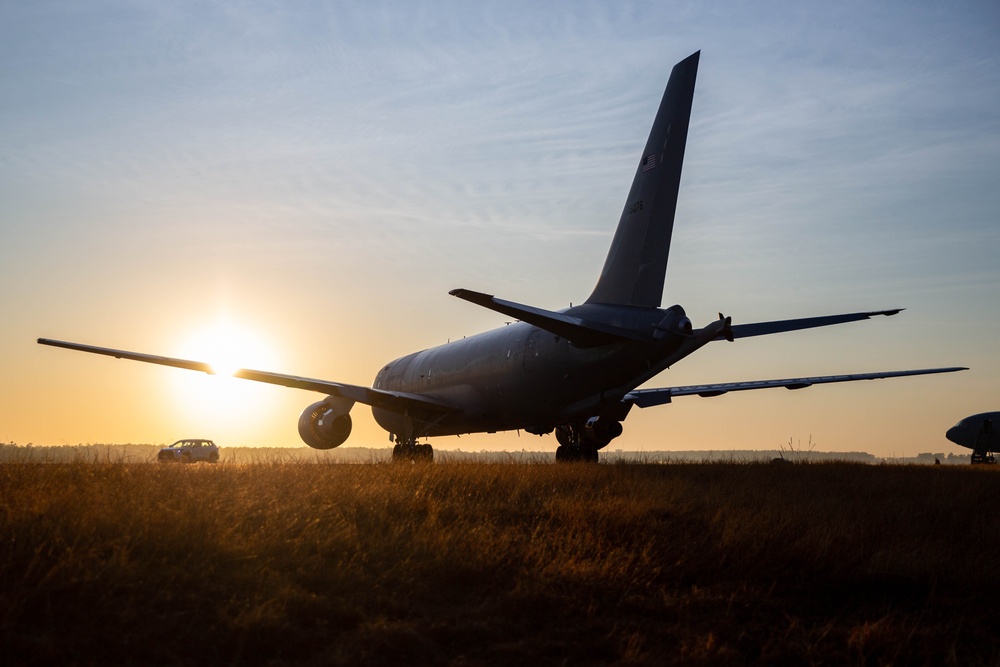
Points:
x=220 y=400
x=228 y=347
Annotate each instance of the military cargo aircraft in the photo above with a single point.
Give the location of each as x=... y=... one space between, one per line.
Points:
x=980 y=433
x=573 y=371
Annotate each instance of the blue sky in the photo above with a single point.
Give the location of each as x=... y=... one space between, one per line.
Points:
x=321 y=174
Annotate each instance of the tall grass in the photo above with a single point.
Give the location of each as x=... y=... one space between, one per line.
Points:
x=458 y=563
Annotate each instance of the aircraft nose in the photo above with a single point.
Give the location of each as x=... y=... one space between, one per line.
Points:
x=954 y=435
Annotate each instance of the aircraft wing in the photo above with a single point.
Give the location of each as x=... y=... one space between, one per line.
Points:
x=779 y=326
x=646 y=398
x=395 y=400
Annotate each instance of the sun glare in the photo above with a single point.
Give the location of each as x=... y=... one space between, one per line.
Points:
x=220 y=399
x=227 y=347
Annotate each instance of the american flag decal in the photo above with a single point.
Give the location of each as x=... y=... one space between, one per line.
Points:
x=649 y=162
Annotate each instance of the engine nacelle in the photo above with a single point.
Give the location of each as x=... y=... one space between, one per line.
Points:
x=326 y=424
x=599 y=431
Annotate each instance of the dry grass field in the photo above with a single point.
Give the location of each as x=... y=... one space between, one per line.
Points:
x=286 y=563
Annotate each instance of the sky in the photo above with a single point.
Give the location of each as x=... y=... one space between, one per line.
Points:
x=305 y=181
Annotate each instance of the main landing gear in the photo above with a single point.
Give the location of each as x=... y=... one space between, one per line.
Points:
x=572 y=448
x=983 y=456
x=408 y=451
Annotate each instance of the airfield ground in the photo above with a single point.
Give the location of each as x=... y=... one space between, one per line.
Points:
x=287 y=563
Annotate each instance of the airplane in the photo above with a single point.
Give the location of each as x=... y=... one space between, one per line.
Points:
x=980 y=433
x=575 y=371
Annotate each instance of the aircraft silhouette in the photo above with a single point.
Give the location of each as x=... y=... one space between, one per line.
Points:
x=980 y=433
x=573 y=371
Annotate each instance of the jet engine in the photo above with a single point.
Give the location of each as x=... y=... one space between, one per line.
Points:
x=594 y=433
x=599 y=431
x=326 y=424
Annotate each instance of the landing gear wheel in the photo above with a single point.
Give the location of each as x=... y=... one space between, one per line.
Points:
x=567 y=437
x=984 y=457
x=411 y=452
x=573 y=447
x=579 y=453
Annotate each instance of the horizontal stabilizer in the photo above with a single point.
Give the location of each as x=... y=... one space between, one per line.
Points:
x=573 y=329
x=394 y=400
x=646 y=398
x=780 y=326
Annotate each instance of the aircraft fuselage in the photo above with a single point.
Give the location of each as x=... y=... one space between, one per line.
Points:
x=523 y=377
x=980 y=432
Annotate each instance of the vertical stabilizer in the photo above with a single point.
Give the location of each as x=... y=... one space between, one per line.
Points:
x=636 y=266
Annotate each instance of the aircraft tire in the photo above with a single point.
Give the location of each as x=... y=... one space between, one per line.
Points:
x=567 y=454
x=412 y=454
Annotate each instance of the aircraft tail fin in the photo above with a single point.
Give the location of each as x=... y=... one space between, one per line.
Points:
x=636 y=265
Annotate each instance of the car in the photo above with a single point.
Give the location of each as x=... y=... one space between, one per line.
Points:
x=189 y=451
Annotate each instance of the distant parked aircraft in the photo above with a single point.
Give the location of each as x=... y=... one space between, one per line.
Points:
x=573 y=371
x=980 y=433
